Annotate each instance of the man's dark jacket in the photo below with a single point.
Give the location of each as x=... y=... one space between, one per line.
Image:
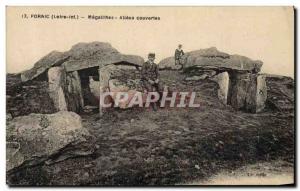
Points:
x=149 y=71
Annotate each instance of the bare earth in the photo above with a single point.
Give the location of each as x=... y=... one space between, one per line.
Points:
x=265 y=173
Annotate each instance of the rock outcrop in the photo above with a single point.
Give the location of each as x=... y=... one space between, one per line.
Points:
x=38 y=138
x=281 y=90
x=124 y=73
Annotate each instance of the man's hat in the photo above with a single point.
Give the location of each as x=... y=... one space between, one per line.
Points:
x=151 y=55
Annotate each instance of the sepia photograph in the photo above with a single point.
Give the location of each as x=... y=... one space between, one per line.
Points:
x=150 y=96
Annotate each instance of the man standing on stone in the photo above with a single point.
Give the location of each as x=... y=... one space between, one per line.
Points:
x=179 y=55
x=150 y=76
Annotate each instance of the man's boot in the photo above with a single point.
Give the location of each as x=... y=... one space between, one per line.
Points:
x=154 y=106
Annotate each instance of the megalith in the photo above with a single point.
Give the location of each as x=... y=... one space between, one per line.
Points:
x=223 y=81
x=257 y=95
x=248 y=91
x=57 y=87
x=74 y=94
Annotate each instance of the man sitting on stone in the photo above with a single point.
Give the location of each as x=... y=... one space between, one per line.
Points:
x=150 y=76
x=179 y=55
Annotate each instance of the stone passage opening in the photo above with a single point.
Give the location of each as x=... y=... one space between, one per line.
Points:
x=89 y=78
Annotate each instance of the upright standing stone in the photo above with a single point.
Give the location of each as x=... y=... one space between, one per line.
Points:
x=104 y=76
x=57 y=82
x=223 y=81
x=250 y=101
x=77 y=87
x=75 y=97
x=248 y=92
x=239 y=88
x=261 y=93
x=257 y=94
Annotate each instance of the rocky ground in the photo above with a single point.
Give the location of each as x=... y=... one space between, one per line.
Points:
x=25 y=98
x=171 y=146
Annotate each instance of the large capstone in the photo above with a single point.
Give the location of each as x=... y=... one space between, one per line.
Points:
x=97 y=54
x=54 y=58
x=211 y=58
x=49 y=138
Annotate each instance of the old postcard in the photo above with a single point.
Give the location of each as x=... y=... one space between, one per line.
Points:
x=150 y=96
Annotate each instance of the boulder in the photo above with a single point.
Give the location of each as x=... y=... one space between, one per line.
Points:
x=49 y=138
x=119 y=78
x=116 y=86
x=212 y=58
x=126 y=74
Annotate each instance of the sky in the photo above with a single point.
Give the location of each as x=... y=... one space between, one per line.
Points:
x=260 y=33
